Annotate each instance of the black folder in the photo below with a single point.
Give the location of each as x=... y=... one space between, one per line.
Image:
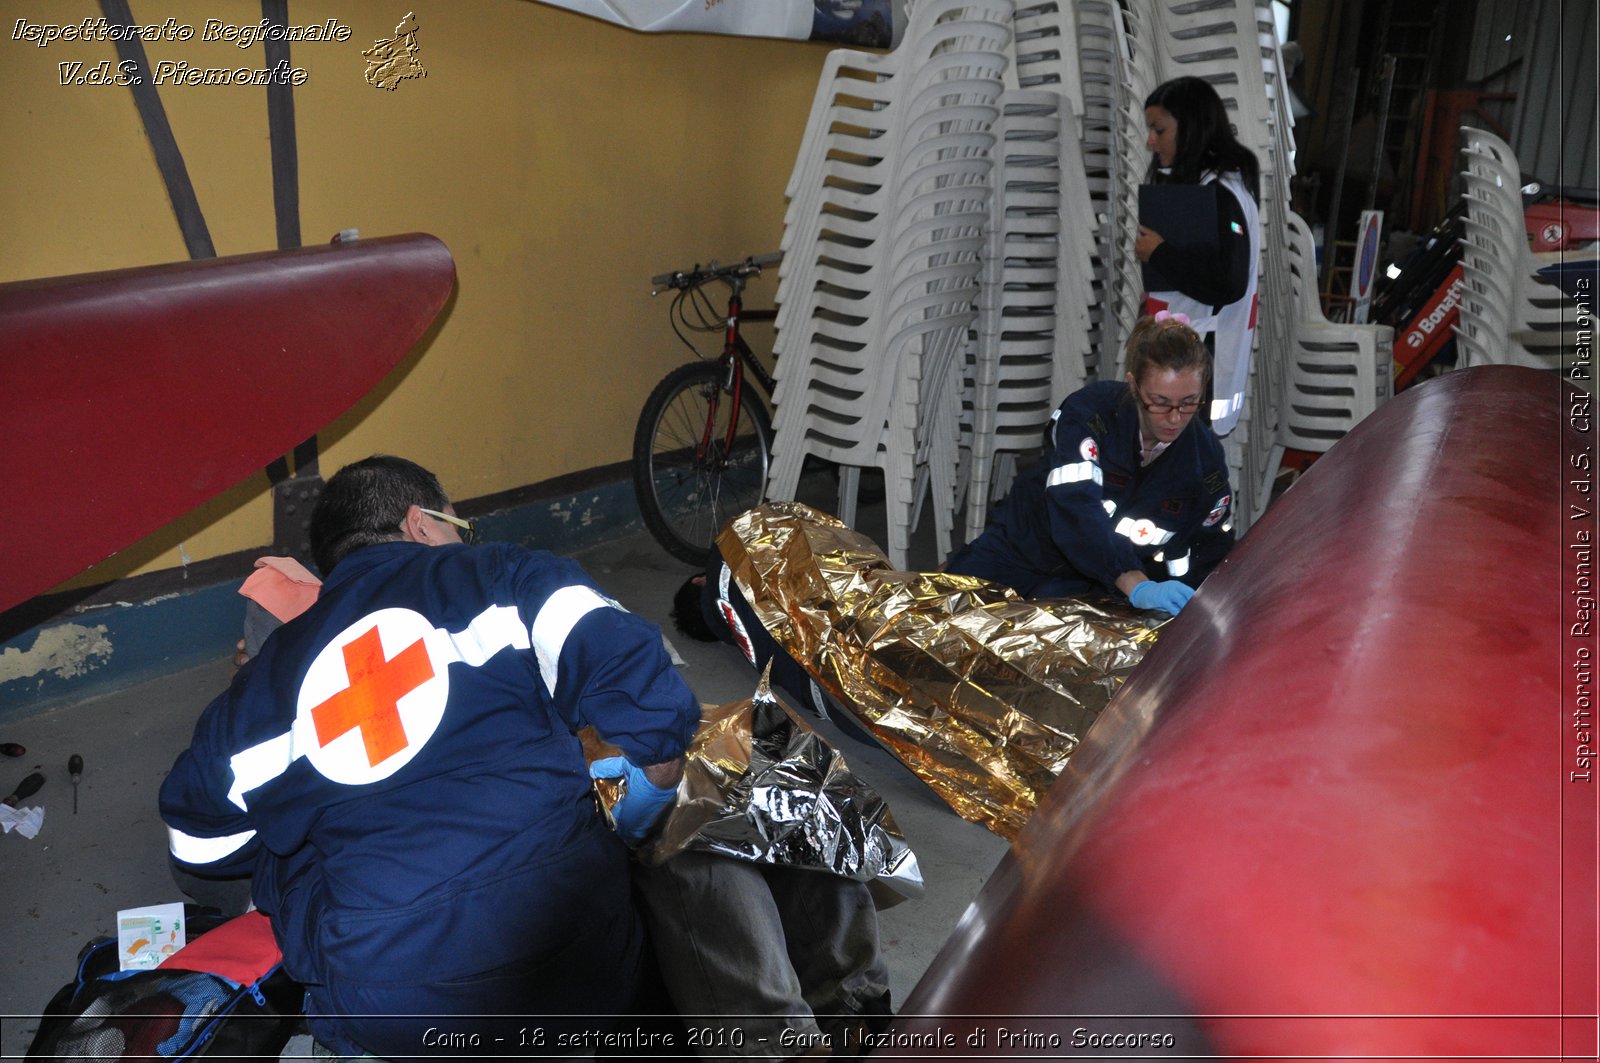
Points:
x=1184 y=215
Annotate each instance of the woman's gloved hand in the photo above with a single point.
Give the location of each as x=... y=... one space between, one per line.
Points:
x=642 y=801
x=1168 y=595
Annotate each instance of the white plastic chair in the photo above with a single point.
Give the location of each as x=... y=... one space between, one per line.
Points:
x=1509 y=314
x=1336 y=374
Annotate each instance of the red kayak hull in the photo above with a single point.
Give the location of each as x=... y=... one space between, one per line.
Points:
x=135 y=395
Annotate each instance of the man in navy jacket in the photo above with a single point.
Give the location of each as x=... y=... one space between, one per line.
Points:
x=398 y=769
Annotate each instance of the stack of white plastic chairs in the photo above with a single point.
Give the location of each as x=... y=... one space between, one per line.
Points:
x=1031 y=339
x=1104 y=64
x=1509 y=314
x=1335 y=374
x=887 y=209
x=918 y=313
x=1097 y=25
x=1139 y=72
x=1044 y=50
x=1074 y=47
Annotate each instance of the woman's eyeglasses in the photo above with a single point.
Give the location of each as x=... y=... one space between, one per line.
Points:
x=1186 y=407
x=469 y=531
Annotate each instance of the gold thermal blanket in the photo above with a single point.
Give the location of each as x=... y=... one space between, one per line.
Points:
x=982 y=694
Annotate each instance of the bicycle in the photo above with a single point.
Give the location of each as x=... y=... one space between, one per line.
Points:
x=703 y=446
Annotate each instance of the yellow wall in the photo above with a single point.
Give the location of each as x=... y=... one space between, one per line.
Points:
x=563 y=160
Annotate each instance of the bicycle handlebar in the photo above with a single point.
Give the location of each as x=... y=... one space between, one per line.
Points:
x=698 y=274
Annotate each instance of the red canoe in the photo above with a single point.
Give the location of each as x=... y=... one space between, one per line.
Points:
x=135 y=395
x=1345 y=807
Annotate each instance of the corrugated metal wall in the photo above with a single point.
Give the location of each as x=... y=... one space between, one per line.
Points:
x=1552 y=122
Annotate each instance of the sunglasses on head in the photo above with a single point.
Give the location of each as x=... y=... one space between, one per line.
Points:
x=469 y=531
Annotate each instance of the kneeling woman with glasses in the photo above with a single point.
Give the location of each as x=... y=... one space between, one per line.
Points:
x=1132 y=493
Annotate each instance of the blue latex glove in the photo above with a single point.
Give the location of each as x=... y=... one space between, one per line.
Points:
x=642 y=801
x=201 y=996
x=1168 y=595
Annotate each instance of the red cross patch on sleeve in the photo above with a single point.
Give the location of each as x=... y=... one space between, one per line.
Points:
x=1220 y=511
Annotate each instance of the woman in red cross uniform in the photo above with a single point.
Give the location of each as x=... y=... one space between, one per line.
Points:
x=1131 y=496
x=1214 y=284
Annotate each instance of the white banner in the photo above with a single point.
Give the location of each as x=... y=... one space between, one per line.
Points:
x=857 y=23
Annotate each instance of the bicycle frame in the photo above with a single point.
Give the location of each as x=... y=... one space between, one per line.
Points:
x=689 y=467
x=736 y=356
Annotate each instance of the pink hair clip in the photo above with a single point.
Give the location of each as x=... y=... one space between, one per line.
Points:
x=1167 y=315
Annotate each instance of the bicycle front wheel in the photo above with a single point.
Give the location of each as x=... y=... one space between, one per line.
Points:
x=689 y=481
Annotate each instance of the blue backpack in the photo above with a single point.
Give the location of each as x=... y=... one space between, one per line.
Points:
x=227 y=998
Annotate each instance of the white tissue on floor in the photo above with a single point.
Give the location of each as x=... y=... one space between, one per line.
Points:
x=25 y=821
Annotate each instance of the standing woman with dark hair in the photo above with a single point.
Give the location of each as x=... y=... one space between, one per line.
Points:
x=1191 y=142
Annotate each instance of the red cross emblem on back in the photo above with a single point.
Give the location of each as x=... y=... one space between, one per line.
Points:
x=371 y=701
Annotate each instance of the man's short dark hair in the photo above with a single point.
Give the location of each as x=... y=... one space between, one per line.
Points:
x=365 y=503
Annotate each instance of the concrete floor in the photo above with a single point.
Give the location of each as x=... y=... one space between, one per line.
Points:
x=66 y=885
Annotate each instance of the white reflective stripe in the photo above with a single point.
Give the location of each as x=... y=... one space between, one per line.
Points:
x=1178 y=566
x=557 y=617
x=260 y=764
x=192 y=850
x=740 y=635
x=1223 y=408
x=491 y=631
x=1143 y=532
x=1075 y=472
x=1111 y=507
x=819 y=702
x=725 y=609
